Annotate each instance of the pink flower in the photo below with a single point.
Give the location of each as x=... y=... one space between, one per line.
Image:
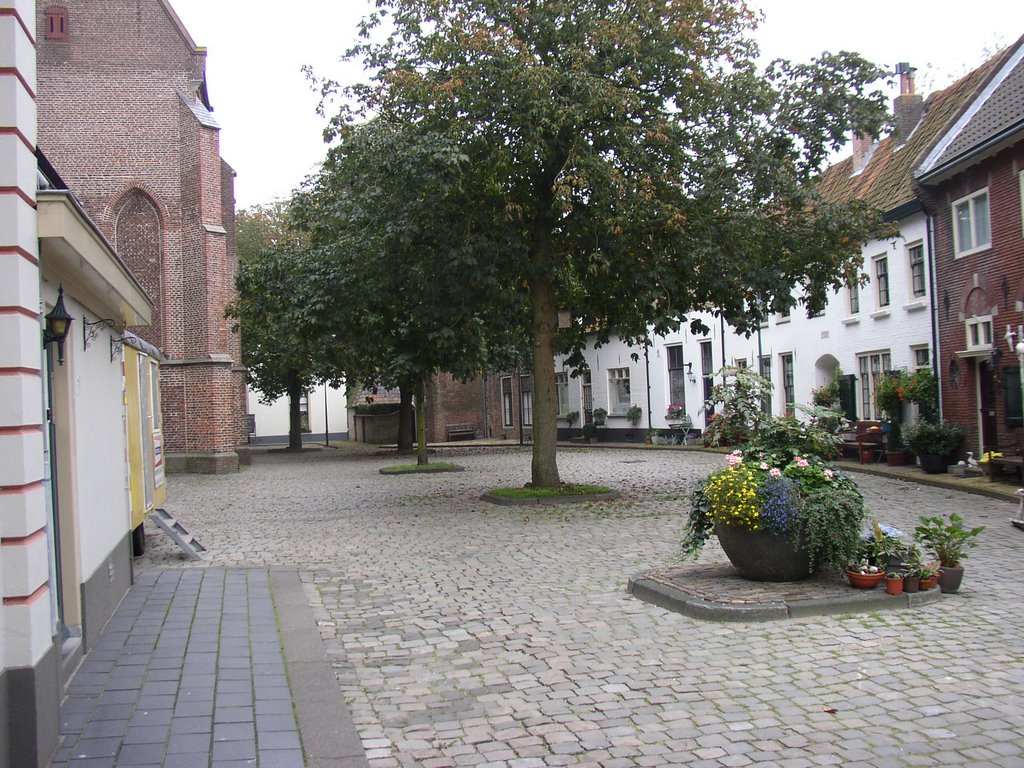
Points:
x=762 y=466
x=828 y=473
x=802 y=462
x=732 y=460
x=775 y=472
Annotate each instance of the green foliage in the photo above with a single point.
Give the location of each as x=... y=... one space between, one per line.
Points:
x=736 y=403
x=564 y=489
x=571 y=418
x=634 y=414
x=632 y=161
x=891 y=393
x=827 y=395
x=590 y=430
x=936 y=437
x=781 y=439
x=949 y=541
x=923 y=388
x=600 y=415
x=804 y=498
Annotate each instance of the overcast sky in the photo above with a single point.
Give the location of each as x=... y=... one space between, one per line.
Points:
x=272 y=136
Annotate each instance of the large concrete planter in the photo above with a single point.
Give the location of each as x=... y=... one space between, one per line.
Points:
x=763 y=555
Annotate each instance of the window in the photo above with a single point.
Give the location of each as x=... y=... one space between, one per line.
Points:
x=1022 y=201
x=586 y=396
x=922 y=358
x=506 y=401
x=676 y=376
x=765 y=369
x=788 y=389
x=706 y=369
x=562 y=392
x=56 y=25
x=619 y=399
x=970 y=223
x=526 y=399
x=854 y=299
x=979 y=332
x=915 y=256
x=871 y=367
x=882 y=280
x=304 y=413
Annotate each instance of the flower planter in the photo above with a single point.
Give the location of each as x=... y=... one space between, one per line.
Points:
x=930 y=583
x=911 y=584
x=896 y=458
x=864 y=580
x=950 y=579
x=933 y=463
x=763 y=555
x=893 y=585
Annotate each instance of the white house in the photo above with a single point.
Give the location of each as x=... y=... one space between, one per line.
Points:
x=322 y=405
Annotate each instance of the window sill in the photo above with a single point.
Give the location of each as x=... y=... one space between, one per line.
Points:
x=853 y=320
x=973 y=251
x=879 y=314
x=974 y=352
x=916 y=306
x=781 y=320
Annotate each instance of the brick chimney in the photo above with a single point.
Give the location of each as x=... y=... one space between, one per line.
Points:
x=908 y=107
x=863 y=148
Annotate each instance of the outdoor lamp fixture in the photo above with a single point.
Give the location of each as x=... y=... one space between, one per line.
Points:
x=91 y=330
x=689 y=373
x=58 y=323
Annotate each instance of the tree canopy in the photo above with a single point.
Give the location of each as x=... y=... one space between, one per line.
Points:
x=641 y=166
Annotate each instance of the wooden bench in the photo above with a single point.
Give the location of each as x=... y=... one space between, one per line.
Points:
x=462 y=431
x=994 y=466
x=867 y=441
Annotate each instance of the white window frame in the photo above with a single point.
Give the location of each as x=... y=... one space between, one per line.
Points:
x=919 y=361
x=615 y=405
x=883 y=298
x=870 y=366
x=562 y=392
x=526 y=399
x=970 y=204
x=912 y=290
x=507 y=401
x=978 y=332
x=853 y=299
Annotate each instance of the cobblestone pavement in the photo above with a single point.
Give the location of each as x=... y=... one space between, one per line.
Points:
x=469 y=635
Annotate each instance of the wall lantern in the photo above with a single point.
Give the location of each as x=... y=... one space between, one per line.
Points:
x=689 y=373
x=58 y=323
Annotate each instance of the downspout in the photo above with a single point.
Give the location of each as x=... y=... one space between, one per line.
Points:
x=722 y=321
x=647 y=365
x=930 y=236
x=484 y=421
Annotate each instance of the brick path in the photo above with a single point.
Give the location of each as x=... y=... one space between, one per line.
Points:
x=463 y=634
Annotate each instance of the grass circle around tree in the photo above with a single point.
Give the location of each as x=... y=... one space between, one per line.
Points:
x=422 y=469
x=566 y=493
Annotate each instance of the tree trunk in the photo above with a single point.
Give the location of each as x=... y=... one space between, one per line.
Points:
x=406 y=419
x=421 y=427
x=545 y=401
x=294 y=417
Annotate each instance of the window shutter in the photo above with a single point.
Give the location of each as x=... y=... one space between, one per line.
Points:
x=1011 y=391
x=848 y=396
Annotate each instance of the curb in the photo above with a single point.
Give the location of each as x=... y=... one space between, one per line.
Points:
x=427 y=470
x=678 y=601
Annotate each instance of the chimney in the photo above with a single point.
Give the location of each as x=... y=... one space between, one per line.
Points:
x=908 y=107
x=863 y=148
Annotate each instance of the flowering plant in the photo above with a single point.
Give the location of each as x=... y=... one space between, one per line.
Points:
x=801 y=497
x=675 y=412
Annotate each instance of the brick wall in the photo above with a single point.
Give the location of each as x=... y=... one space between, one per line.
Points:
x=989 y=281
x=148 y=171
x=449 y=401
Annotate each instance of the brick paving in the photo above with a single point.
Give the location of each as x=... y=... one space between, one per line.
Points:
x=463 y=634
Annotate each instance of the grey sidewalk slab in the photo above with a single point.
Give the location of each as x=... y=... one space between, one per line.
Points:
x=192 y=671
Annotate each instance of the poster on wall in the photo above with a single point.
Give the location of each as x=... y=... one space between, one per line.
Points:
x=158 y=457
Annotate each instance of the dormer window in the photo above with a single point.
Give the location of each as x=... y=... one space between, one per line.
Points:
x=56 y=25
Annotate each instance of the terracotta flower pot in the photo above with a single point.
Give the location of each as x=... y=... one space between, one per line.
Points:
x=896 y=458
x=864 y=580
x=894 y=585
x=930 y=583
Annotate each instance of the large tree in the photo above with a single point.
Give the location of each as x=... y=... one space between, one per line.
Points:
x=408 y=262
x=646 y=167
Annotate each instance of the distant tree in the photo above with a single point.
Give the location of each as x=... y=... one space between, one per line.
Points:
x=407 y=263
x=645 y=168
x=279 y=360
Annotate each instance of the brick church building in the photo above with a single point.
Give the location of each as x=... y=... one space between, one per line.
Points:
x=125 y=118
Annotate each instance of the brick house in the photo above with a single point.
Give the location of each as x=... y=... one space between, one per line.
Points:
x=972 y=181
x=142 y=152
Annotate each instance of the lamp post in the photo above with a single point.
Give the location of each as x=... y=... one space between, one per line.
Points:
x=1015 y=341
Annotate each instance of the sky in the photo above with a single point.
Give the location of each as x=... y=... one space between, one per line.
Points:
x=273 y=138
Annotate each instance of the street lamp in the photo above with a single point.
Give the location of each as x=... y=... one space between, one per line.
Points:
x=58 y=323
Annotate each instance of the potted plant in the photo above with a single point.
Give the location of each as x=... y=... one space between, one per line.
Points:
x=890 y=395
x=894 y=582
x=863 y=575
x=571 y=418
x=934 y=442
x=634 y=414
x=778 y=517
x=675 y=413
x=590 y=432
x=600 y=415
x=929 y=575
x=884 y=547
x=649 y=436
x=950 y=542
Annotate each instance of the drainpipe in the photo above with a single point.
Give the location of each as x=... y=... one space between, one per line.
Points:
x=930 y=237
x=647 y=364
x=722 y=322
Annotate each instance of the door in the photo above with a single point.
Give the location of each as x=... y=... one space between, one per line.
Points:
x=987 y=408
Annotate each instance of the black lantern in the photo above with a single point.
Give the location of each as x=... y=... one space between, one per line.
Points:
x=58 y=323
